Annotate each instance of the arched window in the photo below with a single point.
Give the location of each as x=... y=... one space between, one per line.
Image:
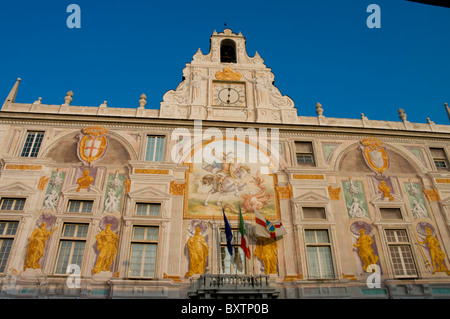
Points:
x=228 y=51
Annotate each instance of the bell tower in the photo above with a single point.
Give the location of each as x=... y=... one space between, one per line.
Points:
x=228 y=85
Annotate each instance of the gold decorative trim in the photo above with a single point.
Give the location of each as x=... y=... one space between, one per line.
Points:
x=24 y=167
x=334 y=192
x=151 y=171
x=42 y=182
x=432 y=194
x=301 y=176
x=174 y=278
x=293 y=277
x=443 y=180
x=284 y=192
x=227 y=74
x=351 y=277
x=127 y=184
x=177 y=188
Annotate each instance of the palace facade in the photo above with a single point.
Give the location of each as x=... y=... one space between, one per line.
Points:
x=101 y=202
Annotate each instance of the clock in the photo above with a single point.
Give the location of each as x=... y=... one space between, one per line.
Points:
x=228 y=94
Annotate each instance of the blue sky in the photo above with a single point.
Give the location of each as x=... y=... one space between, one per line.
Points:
x=320 y=51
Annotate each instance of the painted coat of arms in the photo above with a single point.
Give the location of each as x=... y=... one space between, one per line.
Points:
x=375 y=154
x=92 y=144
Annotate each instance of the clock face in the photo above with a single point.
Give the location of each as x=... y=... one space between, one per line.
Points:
x=229 y=94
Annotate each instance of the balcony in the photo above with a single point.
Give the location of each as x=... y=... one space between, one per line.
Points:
x=214 y=286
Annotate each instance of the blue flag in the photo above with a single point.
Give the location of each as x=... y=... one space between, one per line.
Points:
x=228 y=233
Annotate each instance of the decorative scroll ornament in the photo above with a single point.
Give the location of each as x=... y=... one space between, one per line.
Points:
x=227 y=74
x=375 y=154
x=93 y=144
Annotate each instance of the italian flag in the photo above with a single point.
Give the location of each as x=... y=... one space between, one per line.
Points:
x=244 y=244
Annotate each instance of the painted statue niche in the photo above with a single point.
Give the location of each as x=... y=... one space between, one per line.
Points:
x=431 y=250
x=198 y=249
x=365 y=245
x=38 y=243
x=267 y=251
x=107 y=244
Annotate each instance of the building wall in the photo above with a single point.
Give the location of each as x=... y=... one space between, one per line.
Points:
x=339 y=159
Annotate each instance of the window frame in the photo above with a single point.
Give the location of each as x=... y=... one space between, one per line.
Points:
x=329 y=244
x=156 y=242
x=401 y=244
x=325 y=213
x=32 y=149
x=443 y=159
x=14 y=204
x=236 y=244
x=72 y=239
x=146 y=148
x=82 y=202
x=159 y=204
x=311 y=153
x=11 y=237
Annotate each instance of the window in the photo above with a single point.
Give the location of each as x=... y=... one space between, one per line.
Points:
x=314 y=213
x=155 y=148
x=235 y=264
x=318 y=254
x=7 y=232
x=400 y=253
x=227 y=51
x=439 y=158
x=143 y=251
x=71 y=246
x=391 y=213
x=148 y=209
x=80 y=206
x=12 y=204
x=32 y=144
x=304 y=153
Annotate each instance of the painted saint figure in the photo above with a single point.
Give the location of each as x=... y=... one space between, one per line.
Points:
x=36 y=246
x=437 y=255
x=107 y=243
x=266 y=251
x=198 y=254
x=364 y=245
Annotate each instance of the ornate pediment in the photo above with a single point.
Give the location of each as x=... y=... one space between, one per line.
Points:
x=16 y=189
x=149 y=193
x=311 y=198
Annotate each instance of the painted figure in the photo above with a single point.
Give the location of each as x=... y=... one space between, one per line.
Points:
x=266 y=251
x=85 y=181
x=51 y=200
x=356 y=209
x=364 y=245
x=198 y=254
x=36 y=246
x=437 y=255
x=107 y=243
x=386 y=190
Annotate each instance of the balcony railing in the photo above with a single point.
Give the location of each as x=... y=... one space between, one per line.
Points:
x=232 y=286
